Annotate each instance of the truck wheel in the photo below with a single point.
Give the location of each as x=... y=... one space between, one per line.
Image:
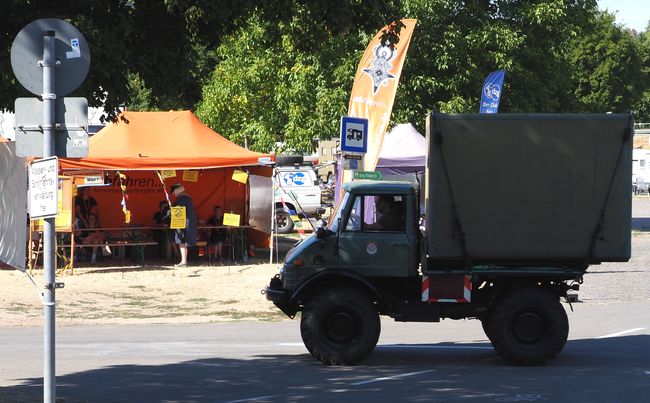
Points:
x=283 y=221
x=340 y=326
x=528 y=327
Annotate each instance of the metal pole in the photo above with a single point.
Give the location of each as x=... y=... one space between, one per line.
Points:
x=49 y=98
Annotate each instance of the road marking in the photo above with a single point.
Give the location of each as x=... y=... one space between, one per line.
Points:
x=621 y=333
x=252 y=399
x=437 y=347
x=388 y=378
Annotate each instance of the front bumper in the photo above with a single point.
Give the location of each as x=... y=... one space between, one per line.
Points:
x=280 y=297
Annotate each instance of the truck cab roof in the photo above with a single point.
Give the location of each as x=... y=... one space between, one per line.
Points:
x=379 y=187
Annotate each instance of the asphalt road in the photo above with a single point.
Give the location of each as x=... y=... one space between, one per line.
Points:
x=607 y=357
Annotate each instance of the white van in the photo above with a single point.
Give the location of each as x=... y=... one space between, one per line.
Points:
x=297 y=192
x=640 y=170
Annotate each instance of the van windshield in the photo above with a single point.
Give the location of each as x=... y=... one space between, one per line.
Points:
x=336 y=217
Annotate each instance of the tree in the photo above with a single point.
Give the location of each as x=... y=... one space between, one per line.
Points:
x=286 y=79
x=606 y=67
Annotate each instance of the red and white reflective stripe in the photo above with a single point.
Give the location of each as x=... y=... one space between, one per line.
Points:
x=425 y=288
x=467 y=291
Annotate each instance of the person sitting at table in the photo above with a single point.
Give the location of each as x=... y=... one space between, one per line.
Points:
x=217 y=235
x=162 y=219
x=84 y=206
x=94 y=237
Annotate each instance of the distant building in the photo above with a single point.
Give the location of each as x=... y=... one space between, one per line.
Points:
x=327 y=152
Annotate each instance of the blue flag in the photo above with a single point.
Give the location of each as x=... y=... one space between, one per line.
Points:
x=491 y=94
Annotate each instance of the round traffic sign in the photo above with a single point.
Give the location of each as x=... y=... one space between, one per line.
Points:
x=70 y=51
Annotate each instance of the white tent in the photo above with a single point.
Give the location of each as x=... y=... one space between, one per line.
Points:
x=404 y=151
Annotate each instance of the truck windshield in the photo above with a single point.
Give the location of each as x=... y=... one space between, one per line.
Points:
x=335 y=218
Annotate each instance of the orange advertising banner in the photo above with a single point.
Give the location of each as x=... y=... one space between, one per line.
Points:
x=375 y=85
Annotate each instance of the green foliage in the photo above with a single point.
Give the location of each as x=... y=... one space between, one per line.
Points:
x=606 y=67
x=263 y=72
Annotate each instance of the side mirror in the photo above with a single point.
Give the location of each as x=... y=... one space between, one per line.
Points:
x=321 y=232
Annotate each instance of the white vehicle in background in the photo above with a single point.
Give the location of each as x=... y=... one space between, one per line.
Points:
x=297 y=193
x=640 y=170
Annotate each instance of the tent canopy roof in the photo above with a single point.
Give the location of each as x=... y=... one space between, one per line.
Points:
x=403 y=150
x=161 y=140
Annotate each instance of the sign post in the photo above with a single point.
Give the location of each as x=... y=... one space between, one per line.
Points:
x=354 y=144
x=50 y=58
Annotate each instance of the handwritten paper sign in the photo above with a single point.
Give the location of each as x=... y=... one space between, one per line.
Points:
x=191 y=176
x=239 y=176
x=231 y=220
x=168 y=174
x=177 y=217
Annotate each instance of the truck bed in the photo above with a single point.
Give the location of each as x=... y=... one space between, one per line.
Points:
x=528 y=189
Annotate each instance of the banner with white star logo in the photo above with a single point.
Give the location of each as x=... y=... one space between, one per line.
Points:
x=375 y=85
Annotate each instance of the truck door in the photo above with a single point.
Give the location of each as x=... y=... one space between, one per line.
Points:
x=377 y=243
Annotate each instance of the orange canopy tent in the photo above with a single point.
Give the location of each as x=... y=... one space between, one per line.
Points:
x=139 y=143
x=161 y=140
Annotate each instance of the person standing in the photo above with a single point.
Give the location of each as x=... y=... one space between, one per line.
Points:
x=185 y=238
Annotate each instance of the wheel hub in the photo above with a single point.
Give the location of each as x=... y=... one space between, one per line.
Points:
x=340 y=327
x=528 y=327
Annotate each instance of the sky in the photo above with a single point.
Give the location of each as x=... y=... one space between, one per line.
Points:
x=632 y=13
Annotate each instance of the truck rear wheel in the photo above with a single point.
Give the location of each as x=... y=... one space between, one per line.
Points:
x=283 y=221
x=340 y=326
x=528 y=327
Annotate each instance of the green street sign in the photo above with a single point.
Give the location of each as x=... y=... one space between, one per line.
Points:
x=368 y=175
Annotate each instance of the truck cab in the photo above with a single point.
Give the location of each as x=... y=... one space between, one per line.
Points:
x=353 y=244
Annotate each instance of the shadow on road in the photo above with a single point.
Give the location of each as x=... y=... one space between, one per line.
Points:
x=641 y=224
x=590 y=370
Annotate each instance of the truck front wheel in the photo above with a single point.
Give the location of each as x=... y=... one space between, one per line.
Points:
x=340 y=326
x=528 y=326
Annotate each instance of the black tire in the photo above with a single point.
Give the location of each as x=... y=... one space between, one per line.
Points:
x=289 y=159
x=529 y=326
x=340 y=326
x=283 y=221
x=485 y=323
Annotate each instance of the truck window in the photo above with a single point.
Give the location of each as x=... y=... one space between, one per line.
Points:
x=372 y=213
x=354 y=220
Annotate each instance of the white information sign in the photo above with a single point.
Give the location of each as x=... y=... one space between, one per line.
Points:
x=43 y=188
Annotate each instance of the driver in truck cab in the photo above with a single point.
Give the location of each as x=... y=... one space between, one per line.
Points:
x=390 y=218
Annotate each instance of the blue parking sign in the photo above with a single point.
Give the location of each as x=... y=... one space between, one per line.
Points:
x=354 y=134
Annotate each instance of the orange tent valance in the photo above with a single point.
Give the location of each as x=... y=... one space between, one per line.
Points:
x=161 y=140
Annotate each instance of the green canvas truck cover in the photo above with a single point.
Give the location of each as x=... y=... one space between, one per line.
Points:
x=528 y=189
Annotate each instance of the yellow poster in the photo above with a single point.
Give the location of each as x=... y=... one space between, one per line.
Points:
x=63 y=220
x=191 y=176
x=168 y=174
x=178 y=217
x=375 y=84
x=127 y=216
x=231 y=220
x=239 y=176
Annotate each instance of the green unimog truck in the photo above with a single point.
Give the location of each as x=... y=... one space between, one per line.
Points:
x=513 y=210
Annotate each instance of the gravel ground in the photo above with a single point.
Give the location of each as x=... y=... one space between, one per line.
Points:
x=623 y=282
